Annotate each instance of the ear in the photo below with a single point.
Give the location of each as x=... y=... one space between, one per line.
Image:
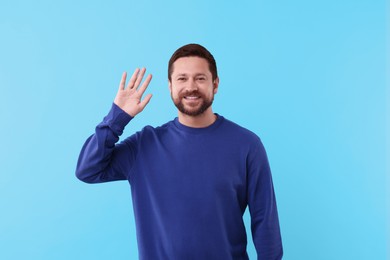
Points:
x=215 y=85
x=169 y=86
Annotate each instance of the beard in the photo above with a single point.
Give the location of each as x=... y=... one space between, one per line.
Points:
x=197 y=110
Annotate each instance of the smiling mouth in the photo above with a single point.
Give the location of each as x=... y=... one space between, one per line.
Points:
x=191 y=97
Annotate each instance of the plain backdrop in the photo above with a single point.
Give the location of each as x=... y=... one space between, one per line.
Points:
x=309 y=77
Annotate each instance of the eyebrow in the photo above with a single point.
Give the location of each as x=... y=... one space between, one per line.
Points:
x=197 y=74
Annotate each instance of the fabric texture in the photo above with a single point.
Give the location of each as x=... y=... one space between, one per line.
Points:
x=190 y=187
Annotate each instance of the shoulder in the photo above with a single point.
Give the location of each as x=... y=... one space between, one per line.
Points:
x=158 y=129
x=256 y=150
x=239 y=131
x=244 y=141
x=151 y=132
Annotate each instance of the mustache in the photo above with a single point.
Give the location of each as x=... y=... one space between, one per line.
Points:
x=191 y=93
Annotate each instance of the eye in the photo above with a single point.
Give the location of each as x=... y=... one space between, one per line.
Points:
x=181 y=79
x=201 y=78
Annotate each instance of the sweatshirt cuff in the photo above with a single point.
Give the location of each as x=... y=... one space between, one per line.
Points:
x=117 y=119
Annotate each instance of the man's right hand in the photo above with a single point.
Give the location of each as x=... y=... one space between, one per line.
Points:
x=129 y=98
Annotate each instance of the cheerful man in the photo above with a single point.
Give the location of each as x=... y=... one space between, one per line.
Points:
x=192 y=178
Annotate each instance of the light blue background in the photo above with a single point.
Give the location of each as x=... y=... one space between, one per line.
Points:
x=309 y=77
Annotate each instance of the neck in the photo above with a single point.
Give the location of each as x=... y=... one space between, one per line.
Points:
x=203 y=120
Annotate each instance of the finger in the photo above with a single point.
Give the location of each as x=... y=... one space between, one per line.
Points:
x=123 y=80
x=144 y=85
x=139 y=78
x=133 y=78
x=145 y=101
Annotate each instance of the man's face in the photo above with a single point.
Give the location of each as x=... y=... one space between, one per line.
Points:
x=192 y=87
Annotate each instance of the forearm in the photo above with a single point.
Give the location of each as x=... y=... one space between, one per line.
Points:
x=263 y=209
x=95 y=163
x=266 y=230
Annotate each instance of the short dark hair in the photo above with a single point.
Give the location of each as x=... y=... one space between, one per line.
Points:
x=193 y=50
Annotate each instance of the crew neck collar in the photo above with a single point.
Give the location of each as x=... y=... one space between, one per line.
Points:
x=198 y=130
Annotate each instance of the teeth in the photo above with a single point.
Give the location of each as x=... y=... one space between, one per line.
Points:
x=191 y=97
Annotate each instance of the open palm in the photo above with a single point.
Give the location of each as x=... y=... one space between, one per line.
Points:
x=129 y=98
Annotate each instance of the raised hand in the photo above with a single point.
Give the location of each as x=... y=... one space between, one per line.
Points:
x=129 y=98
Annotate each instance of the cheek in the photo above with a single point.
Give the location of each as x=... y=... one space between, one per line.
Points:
x=174 y=92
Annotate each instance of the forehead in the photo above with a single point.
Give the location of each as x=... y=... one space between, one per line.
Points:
x=191 y=65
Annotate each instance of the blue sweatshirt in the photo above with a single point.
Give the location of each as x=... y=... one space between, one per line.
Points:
x=190 y=187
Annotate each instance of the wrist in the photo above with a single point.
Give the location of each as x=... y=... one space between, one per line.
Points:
x=117 y=119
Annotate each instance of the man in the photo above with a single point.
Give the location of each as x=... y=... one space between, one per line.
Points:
x=192 y=178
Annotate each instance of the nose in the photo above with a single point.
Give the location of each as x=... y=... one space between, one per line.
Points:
x=192 y=85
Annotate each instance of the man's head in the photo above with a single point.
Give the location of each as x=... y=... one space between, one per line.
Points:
x=193 y=50
x=193 y=79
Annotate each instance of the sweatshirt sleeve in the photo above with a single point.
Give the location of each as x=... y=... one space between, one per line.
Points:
x=262 y=207
x=100 y=160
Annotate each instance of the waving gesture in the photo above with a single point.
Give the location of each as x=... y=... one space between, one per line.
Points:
x=129 y=98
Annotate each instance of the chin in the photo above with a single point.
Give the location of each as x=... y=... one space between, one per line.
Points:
x=194 y=111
